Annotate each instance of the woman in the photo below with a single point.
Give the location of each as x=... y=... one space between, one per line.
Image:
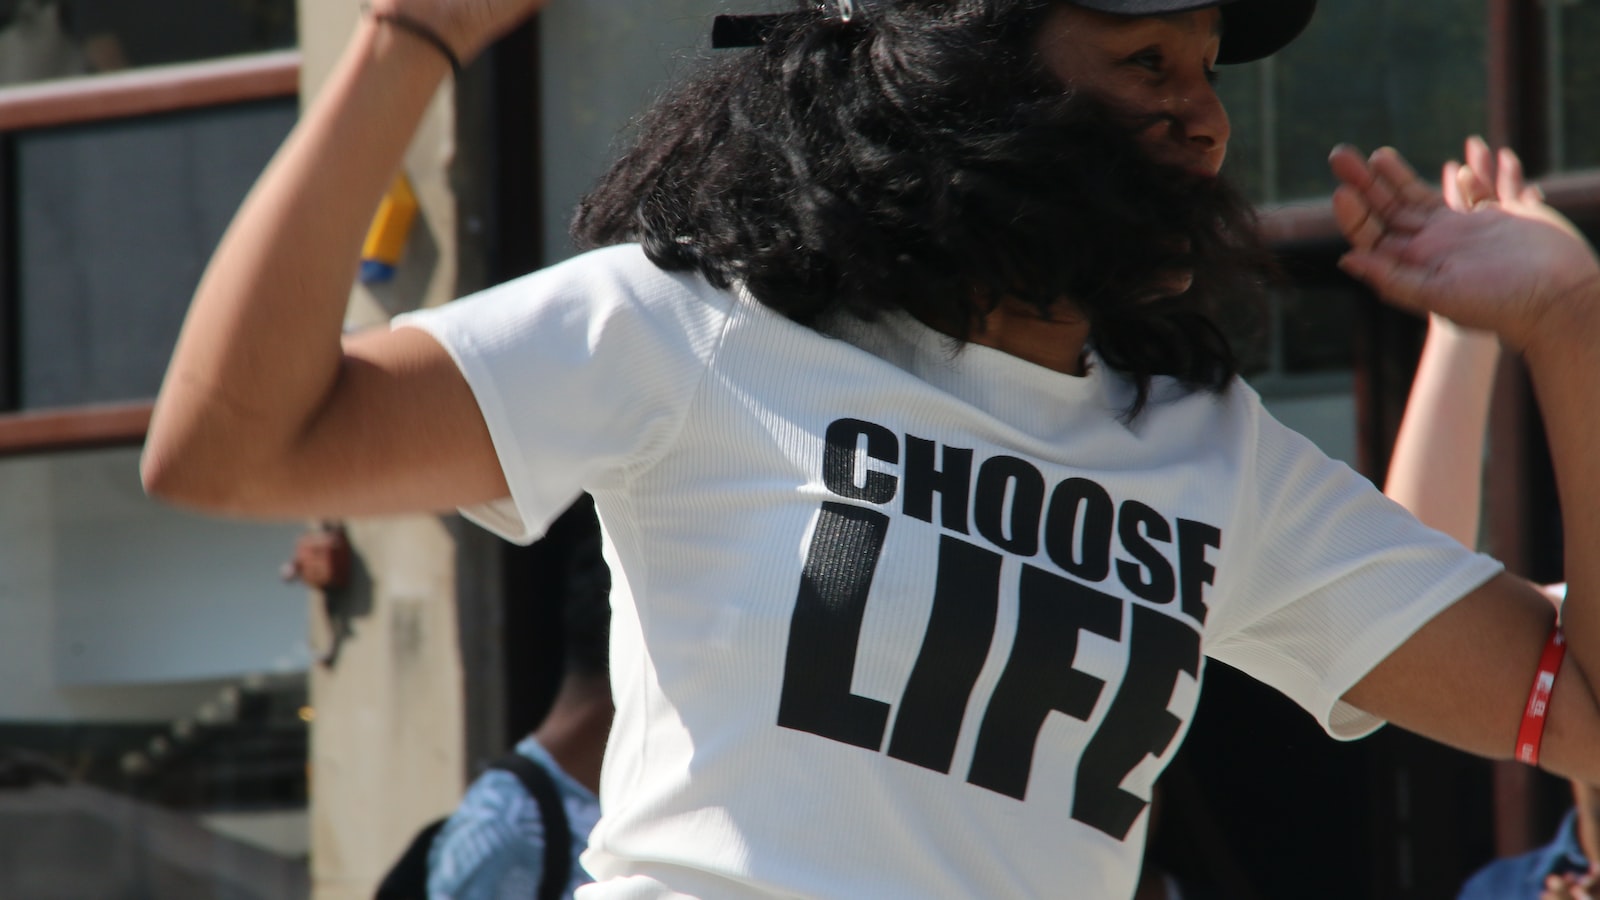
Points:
x=898 y=615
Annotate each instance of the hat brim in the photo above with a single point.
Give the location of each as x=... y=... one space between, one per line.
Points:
x=1251 y=29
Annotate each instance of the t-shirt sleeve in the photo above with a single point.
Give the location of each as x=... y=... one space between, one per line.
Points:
x=583 y=372
x=1335 y=577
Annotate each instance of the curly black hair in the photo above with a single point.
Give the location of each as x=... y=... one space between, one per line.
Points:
x=921 y=157
x=587 y=612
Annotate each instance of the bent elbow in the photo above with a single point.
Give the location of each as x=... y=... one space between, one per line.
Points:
x=180 y=480
x=168 y=478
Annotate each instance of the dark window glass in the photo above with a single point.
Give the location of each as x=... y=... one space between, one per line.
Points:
x=1309 y=329
x=1251 y=153
x=1575 y=35
x=44 y=39
x=115 y=222
x=1368 y=72
x=1317 y=329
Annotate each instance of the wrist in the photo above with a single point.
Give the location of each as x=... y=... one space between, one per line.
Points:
x=1451 y=329
x=1461 y=341
x=399 y=27
x=1572 y=320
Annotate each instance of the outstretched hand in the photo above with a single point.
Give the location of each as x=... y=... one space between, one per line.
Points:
x=1486 y=252
x=1568 y=887
x=467 y=26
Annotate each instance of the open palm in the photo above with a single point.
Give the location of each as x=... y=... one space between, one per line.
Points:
x=1487 y=252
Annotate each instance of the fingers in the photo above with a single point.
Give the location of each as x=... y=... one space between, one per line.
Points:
x=1513 y=184
x=1376 y=257
x=1566 y=887
x=1380 y=204
x=1400 y=199
x=1409 y=188
x=1380 y=195
x=1355 y=218
x=1396 y=281
x=1480 y=159
x=1350 y=207
x=1473 y=190
x=1555 y=888
x=1497 y=175
x=1349 y=165
x=1451 y=188
x=1509 y=182
x=1487 y=176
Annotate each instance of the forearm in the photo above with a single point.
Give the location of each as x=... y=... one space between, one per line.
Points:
x=1436 y=469
x=259 y=353
x=1564 y=360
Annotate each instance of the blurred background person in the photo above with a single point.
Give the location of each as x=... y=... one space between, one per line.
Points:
x=493 y=846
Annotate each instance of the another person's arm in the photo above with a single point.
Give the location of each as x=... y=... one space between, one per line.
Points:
x=265 y=410
x=1504 y=262
x=1436 y=470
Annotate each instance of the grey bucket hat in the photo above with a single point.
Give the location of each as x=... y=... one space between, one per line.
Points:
x=1251 y=29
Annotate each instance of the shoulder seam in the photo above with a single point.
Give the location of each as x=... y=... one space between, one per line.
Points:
x=643 y=466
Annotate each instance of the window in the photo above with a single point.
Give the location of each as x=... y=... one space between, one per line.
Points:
x=1367 y=72
x=48 y=39
x=1572 y=34
x=114 y=223
x=113 y=192
x=152 y=732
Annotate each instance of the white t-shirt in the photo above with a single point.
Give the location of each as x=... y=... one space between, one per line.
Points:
x=893 y=621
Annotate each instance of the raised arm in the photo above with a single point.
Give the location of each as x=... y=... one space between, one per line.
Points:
x=1503 y=261
x=265 y=410
x=1436 y=469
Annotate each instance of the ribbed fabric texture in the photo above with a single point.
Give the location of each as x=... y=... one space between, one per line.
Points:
x=892 y=621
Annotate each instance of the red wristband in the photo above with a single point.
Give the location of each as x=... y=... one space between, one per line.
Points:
x=1532 y=731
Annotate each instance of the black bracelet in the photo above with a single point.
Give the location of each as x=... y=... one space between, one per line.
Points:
x=406 y=23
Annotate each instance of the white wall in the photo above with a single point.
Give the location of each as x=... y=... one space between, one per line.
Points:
x=115 y=608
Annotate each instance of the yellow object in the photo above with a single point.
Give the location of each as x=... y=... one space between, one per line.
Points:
x=391 y=227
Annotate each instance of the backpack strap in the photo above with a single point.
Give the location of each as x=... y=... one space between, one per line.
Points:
x=541 y=787
x=407 y=879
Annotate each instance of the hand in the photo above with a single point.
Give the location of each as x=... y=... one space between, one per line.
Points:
x=1568 y=887
x=1487 y=253
x=467 y=26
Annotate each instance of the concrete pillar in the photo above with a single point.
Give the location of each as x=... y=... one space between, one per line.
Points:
x=387 y=748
